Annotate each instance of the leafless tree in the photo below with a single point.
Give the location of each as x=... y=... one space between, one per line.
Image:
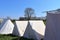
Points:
x=29 y=12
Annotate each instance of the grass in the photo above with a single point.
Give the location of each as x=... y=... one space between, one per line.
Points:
x=12 y=37
x=7 y=37
x=44 y=22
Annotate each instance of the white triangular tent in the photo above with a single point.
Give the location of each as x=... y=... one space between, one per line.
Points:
x=52 y=27
x=32 y=29
x=20 y=27
x=39 y=27
x=6 y=27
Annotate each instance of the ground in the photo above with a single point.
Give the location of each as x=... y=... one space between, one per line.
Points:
x=11 y=37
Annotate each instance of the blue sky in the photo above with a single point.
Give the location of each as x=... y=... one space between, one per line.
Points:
x=15 y=8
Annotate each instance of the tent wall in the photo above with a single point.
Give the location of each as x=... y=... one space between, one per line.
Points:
x=19 y=28
x=52 y=27
x=6 y=27
x=3 y=22
x=39 y=28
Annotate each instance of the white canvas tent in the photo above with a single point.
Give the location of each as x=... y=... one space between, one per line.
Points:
x=20 y=27
x=39 y=27
x=32 y=29
x=52 y=27
x=6 y=27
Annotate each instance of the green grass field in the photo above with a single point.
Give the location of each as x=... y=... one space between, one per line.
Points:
x=11 y=37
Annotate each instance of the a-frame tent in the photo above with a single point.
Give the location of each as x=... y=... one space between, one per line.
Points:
x=19 y=28
x=39 y=27
x=6 y=27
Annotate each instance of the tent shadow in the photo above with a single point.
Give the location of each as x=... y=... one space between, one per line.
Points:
x=15 y=30
x=2 y=23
